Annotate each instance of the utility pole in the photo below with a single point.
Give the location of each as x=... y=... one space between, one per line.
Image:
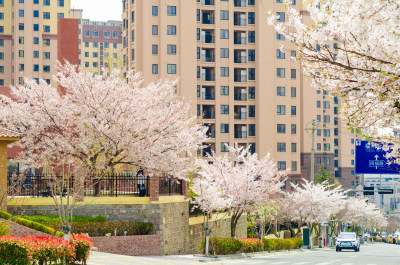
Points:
x=313 y=129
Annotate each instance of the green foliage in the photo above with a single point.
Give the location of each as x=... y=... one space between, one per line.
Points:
x=4 y=229
x=222 y=246
x=324 y=175
x=12 y=253
x=44 y=219
x=251 y=245
x=251 y=232
x=5 y=215
x=280 y=244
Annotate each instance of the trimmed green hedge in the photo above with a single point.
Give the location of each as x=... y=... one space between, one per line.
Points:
x=46 y=219
x=282 y=244
x=4 y=229
x=222 y=246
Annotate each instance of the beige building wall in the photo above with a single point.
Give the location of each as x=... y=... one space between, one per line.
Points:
x=29 y=39
x=254 y=111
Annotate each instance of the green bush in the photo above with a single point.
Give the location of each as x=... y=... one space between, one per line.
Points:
x=281 y=244
x=4 y=229
x=222 y=246
x=269 y=244
x=12 y=253
x=5 y=215
x=45 y=219
x=251 y=245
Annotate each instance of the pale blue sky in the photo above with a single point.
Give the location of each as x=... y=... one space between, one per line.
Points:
x=99 y=10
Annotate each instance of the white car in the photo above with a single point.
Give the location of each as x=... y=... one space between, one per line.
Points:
x=348 y=240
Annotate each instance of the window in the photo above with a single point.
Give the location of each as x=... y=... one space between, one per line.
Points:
x=198 y=15
x=171 y=10
x=252 y=130
x=252 y=55
x=154 y=68
x=281 y=147
x=95 y=34
x=106 y=45
x=61 y=15
x=252 y=36
x=46 y=55
x=224 y=34
x=224 y=53
x=60 y=2
x=1 y=16
x=293 y=73
x=154 y=30
x=224 y=90
x=280 y=72
x=46 y=28
x=252 y=92
x=224 y=128
x=224 y=71
x=95 y=54
x=293 y=128
x=281 y=165
x=36 y=68
x=335 y=110
x=21 y=53
x=318 y=147
x=21 y=26
x=46 y=2
x=327 y=119
x=1 y=42
x=326 y=105
x=154 y=11
x=280 y=16
x=2 y=69
x=1 y=55
x=21 y=40
x=35 y=40
x=21 y=1
x=280 y=54
x=318 y=104
x=171 y=49
x=132 y=36
x=171 y=68
x=115 y=45
x=252 y=74
x=224 y=14
x=252 y=111
x=294 y=147
x=46 y=15
x=280 y=91
x=294 y=166
x=2 y=2
x=46 y=68
x=154 y=49
x=21 y=13
x=20 y=80
x=327 y=132
x=327 y=147
x=107 y=34
x=95 y=64
x=293 y=110
x=280 y=36
x=171 y=30
x=281 y=110
x=224 y=147
x=293 y=92
x=252 y=18
x=224 y=109
x=281 y=128
x=87 y=34
x=336 y=142
x=251 y=2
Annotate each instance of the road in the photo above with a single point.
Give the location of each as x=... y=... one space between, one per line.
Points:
x=370 y=254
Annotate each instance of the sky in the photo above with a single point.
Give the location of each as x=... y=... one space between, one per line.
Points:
x=99 y=10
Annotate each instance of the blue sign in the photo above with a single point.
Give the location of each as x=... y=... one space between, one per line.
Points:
x=370 y=159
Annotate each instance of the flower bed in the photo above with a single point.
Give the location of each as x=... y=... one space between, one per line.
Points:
x=43 y=250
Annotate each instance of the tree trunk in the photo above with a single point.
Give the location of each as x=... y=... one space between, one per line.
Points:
x=234 y=220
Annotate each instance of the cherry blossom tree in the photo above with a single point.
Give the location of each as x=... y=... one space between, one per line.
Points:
x=103 y=121
x=242 y=178
x=352 y=50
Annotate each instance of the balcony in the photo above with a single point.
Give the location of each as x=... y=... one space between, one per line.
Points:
x=208 y=112
x=207 y=2
x=239 y=37
x=207 y=36
x=240 y=75
x=240 y=56
x=240 y=112
x=240 y=131
x=208 y=55
x=239 y=3
x=239 y=19
x=240 y=94
x=208 y=17
x=211 y=130
x=208 y=93
x=208 y=74
x=208 y=148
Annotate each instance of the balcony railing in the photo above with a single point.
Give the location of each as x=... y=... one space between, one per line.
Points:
x=211 y=133
x=241 y=134
x=208 y=58
x=209 y=115
x=208 y=77
x=240 y=40
x=240 y=115
x=240 y=78
x=207 y=39
x=240 y=59
x=241 y=96
x=208 y=20
x=207 y=96
x=239 y=22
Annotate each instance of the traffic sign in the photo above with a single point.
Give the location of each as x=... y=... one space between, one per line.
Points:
x=385 y=191
x=368 y=191
x=371 y=159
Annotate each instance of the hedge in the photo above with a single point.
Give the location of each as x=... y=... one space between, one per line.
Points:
x=46 y=219
x=4 y=229
x=44 y=250
x=282 y=244
x=222 y=246
x=251 y=245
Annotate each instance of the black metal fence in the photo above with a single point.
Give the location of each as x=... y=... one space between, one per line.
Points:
x=111 y=186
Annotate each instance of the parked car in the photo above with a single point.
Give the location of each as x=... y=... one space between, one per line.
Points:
x=389 y=239
x=396 y=238
x=348 y=240
x=383 y=235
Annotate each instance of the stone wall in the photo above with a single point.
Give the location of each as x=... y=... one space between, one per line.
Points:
x=220 y=228
x=149 y=245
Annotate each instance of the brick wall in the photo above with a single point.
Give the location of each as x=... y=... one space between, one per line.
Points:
x=149 y=245
x=20 y=230
x=220 y=228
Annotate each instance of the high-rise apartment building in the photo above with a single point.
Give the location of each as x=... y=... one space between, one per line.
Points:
x=28 y=38
x=244 y=88
x=100 y=44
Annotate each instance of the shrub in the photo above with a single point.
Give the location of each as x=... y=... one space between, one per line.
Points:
x=280 y=244
x=269 y=244
x=13 y=252
x=5 y=215
x=222 y=246
x=251 y=245
x=46 y=219
x=82 y=245
x=4 y=229
x=34 y=225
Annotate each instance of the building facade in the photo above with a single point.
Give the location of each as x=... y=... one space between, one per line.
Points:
x=28 y=38
x=100 y=44
x=244 y=88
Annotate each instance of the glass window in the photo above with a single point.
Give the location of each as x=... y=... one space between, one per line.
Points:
x=224 y=147
x=252 y=74
x=280 y=72
x=154 y=70
x=171 y=68
x=21 y=26
x=21 y=13
x=154 y=49
x=95 y=54
x=294 y=166
x=46 y=68
x=280 y=36
x=280 y=54
x=95 y=34
x=293 y=129
x=107 y=34
x=327 y=119
x=280 y=91
x=252 y=111
x=46 y=55
x=224 y=90
x=293 y=73
x=252 y=55
x=224 y=14
x=293 y=92
x=225 y=71
x=281 y=128
x=280 y=16
x=224 y=109
x=281 y=165
x=115 y=34
x=21 y=53
x=281 y=109
x=1 y=42
x=60 y=2
x=252 y=130
x=95 y=44
x=171 y=10
x=252 y=92
x=171 y=30
x=224 y=53
x=294 y=147
x=154 y=11
x=224 y=34
x=252 y=18
x=252 y=36
x=327 y=147
x=35 y=40
x=318 y=104
x=46 y=28
x=326 y=105
x=46 y=2
x=46 y=15
x=293 y=110
x=171 y=49
x=224 y=128
x=36 y=68
x=61 y=15
x=154 y=30
x=281 y=147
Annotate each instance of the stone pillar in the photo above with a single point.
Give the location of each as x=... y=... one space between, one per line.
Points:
x=154 y=190
x=185 y=188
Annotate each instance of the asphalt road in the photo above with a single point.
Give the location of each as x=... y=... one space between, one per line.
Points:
x=370 y=254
